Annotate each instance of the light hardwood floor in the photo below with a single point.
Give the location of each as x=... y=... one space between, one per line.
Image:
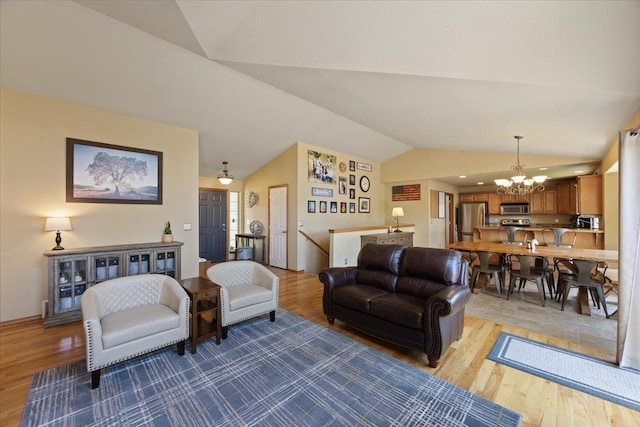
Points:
x=26 y=347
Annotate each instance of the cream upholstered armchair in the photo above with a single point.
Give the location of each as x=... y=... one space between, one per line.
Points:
x=132 y=315
x=247 y=289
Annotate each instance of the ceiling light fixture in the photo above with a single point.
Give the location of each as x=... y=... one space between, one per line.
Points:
x=519 y=184
x=225 y=178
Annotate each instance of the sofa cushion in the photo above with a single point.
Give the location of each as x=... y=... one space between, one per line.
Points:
x=402 y=309
x=357 y=297
x=380 y=258
x=439 y=265
x=133 y=323
x=245 y=295
x=377 y=279
x=422 y=288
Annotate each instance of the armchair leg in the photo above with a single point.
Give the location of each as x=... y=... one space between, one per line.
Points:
x=95 y=379
x=331 y=320
x=272 y=316
x=180 y=346
x=433 y=362
x=225 y=329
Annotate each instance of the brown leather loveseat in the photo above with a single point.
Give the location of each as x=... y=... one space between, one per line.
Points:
x=413 y=297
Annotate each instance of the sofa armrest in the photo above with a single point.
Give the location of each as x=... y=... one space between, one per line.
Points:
x=173 y=295
x=265 y=278
x=338 y=276
x=92 y=327
x=448 y=301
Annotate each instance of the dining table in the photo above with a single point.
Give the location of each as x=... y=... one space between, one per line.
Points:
x=598 y=255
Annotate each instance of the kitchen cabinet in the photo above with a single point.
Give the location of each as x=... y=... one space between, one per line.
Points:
x=589 y=195
x=494 y=203
x=514 y=198
x=582 y=197
x=492 y=199
x=543 y=202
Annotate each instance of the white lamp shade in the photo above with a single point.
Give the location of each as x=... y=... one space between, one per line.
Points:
x=540 y=178
x=224 y=180
x=396 y=212
x=57 y=224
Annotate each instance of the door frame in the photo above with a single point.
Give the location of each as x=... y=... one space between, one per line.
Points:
x=226 y=231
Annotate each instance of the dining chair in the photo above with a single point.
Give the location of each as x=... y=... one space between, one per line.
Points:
x=491 y=264
x=528 y=271
x=585 y=277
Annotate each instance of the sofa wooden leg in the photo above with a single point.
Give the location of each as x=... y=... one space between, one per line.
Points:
x=225 y=329
x=181 y=348
x=433 y=362
x=272 y=316
x=95 y=379
x=331 y=319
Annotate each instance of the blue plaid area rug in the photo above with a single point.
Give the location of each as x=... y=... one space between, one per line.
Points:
x=289 y=373
x=578 y=371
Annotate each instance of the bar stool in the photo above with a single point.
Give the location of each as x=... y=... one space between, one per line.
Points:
x=489 y=269
x=558 y=237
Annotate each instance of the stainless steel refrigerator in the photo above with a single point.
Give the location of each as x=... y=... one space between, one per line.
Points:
x=470 y=215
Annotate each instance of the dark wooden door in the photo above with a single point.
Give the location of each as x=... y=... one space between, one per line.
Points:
x=213 y=225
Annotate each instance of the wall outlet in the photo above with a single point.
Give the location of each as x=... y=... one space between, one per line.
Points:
x=346 y=261
x=186 y=227
x=556 y=220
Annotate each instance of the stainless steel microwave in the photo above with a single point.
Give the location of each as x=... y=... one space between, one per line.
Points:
x=514 y=209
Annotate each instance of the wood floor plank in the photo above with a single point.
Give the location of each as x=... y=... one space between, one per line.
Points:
x=26 y=347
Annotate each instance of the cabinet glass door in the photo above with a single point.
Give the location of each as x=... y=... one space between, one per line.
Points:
x=166 y=263
x=107 y=267
x=71 y=279
x=138 y=263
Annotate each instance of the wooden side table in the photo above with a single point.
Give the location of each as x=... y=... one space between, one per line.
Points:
x=205 y=299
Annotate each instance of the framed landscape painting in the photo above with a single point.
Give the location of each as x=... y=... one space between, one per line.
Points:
x=106 y=173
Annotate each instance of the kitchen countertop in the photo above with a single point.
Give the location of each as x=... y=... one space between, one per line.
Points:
x=577 y=230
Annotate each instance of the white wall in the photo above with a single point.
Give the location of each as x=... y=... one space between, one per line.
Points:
x=33 y=132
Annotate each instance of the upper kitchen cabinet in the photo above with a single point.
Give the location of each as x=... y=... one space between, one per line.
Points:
x=589 y=195
x=494 y=203
x=474 y=197
x=581 y=197
x=515 y=198
x=544 y=202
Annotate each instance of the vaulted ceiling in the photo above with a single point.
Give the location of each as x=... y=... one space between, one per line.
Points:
x=371 y=79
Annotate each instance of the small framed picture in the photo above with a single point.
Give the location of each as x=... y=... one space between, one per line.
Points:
x=352 y=165
x=364 y=167
x=323 y=206
x=352 y=193
x=343 y=207
x=342 y=185
x=311 y=206
x=352 y=207
x=364 y=205
x=352 y=180
x=334 y=207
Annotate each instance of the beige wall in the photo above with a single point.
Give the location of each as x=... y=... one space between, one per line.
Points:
x=33 y=132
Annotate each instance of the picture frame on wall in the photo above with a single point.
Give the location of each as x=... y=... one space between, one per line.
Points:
x=321 y=167
x=364 y=205
x=352 y=180
x=343 y=207
x=311 y=206
x=323 y=206
x=352 y=207
x=334 y=207
x=352 y=165
x=352 y=193
x=107 y=173
x=342 y=185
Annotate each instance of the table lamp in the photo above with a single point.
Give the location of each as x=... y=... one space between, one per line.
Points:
x=57 y=225
x=397 y=212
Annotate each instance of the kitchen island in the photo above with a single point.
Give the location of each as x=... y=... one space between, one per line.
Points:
x=585 y=238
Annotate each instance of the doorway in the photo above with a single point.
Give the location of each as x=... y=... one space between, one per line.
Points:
x=278 y=226
x=212 y=218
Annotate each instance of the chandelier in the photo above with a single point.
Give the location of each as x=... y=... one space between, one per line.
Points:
x=519 y=184
x=225 y=177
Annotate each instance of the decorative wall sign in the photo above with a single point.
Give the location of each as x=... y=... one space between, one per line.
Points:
x=364 y=167
x=322 y=167
x=106 y=173
x=321 y=192
x=401 y=193
x=364 y=204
